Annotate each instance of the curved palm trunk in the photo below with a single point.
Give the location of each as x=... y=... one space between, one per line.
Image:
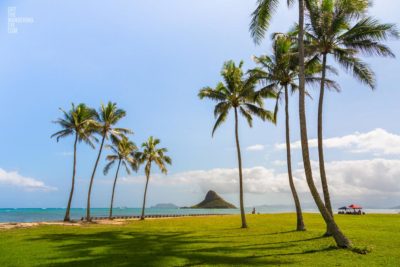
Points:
x=340 y=239
x=113 y=190
x=324 y=181
x=299 y=214
x=144 y=197
x=242 y=214
x=67 y=217
x=91 y=179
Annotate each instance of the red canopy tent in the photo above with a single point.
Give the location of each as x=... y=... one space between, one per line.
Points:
x=356 y=207
x=347 y=210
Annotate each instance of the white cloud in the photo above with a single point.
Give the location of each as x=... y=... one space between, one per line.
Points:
x=363 y=180
x=257 y=180
x=377 y=141
x=15 y=179
x=363 y=177
x=255 y=148
x=279 y=163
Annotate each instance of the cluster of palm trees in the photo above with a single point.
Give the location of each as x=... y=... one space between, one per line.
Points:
x=327 y=29
x=87 y=125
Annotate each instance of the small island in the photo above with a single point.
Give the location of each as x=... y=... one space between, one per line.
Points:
x=213 y=201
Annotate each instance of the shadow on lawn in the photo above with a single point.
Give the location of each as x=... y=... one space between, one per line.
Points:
x=140 y=248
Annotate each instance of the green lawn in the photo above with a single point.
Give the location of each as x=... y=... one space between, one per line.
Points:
x=270 y=240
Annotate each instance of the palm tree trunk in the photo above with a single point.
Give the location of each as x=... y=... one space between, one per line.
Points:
x=67 y=217
x=324 y=181
x=112 y=196
x=299 y=214
x=340 y=239
x=91 y=179
x=144 y=197
x=242 y=214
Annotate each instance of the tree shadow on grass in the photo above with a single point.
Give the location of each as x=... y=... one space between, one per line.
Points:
x=141 y=248
x=283 y=232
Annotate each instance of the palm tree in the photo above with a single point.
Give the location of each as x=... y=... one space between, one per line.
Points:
x=237 y=93
x=123 y=153
x=78 y=121
x=151 y=153
x=329 y=31
x=260 y=23
x=277 y=73
x=108 y=116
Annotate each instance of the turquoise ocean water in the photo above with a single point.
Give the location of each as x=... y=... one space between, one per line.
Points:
x=57 y=214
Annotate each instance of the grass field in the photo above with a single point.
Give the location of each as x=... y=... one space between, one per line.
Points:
x=270 y=240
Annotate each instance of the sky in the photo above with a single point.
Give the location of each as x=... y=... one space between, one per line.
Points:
x=151 y=58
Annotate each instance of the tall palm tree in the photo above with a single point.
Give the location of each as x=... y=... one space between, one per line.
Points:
x=279 y=72
x=124 y=153
x=78 y=121
x=108 y=116
x=152 y=154
x=237 y=93
x=335 y=27
x=260 y=23
x=340 y=239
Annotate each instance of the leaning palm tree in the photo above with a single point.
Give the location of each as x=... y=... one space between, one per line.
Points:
x=338 y=28
x=237 y=93
x=152 y=154
x=277 y=73
x=123 y=153
x=260 y=23
x=108 y=116
x=78 y=121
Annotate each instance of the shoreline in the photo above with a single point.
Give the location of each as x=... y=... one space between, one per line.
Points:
x=102 y=221
x=123 y=221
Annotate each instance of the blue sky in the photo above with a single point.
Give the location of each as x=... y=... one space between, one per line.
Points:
x=152 y=57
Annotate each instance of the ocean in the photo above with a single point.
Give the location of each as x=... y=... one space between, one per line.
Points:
x=57 y=214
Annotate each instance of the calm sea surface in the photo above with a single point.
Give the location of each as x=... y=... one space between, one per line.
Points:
x=57 y=214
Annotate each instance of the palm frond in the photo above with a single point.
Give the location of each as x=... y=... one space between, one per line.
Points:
x=62 y=133
x=259 y=112
x=221 y=119
x=247 y=116
x=360 y=70
x=276 y=108
x=210 y=93
x=261 y=17
x=108 y=167
x=370 y=29
x=371 y=48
